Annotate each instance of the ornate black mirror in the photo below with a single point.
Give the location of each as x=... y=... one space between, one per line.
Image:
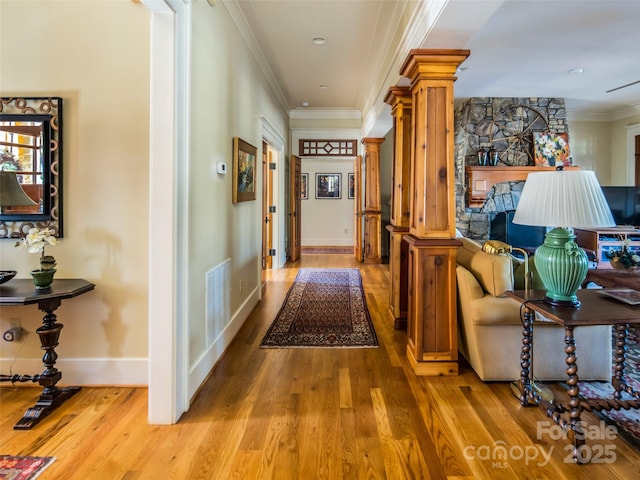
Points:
x=30 y=165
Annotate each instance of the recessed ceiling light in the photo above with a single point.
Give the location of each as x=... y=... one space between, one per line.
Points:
x=576 y=70
x=319 y=40
x=305 y=104
x=323 y=87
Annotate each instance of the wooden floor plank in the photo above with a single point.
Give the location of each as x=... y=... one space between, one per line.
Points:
x=304 y=413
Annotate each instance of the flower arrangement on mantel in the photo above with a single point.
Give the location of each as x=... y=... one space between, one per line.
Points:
x=36 y=241
x=624 y=259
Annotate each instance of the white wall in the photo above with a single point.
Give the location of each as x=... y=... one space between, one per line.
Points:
x=327 y=221
x=229 y=98
x=602 y=146
x=95 y=55
x=590 y=144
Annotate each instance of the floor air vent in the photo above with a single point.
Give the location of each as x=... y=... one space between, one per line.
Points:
x=218 y=300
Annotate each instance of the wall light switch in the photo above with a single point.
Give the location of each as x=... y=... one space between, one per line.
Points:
x=221 y=168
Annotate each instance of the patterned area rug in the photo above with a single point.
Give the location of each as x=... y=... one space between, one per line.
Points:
x=626 y=421
x=23 y=468
x=325 y=307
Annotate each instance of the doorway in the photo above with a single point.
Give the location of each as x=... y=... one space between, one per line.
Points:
x=269 y=207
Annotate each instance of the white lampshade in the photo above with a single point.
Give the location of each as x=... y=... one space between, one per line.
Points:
x=563 y=198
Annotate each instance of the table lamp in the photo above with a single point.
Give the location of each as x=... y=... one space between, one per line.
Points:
x=563 y=200
x=11 y=193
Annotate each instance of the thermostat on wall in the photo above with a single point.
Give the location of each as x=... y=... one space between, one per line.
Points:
x=221 y=168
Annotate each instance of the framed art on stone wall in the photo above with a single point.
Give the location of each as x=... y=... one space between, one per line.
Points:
x=551 y=149
x=244 y=168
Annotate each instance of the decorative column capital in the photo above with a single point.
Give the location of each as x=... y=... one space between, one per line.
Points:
x=432 y=64
x=372 y=142
x=398 y=96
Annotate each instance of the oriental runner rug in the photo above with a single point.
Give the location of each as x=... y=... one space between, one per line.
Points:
x=626 y=422
x=23 y=468
x=325 y=307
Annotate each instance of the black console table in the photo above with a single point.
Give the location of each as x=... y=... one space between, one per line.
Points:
x=23 y=292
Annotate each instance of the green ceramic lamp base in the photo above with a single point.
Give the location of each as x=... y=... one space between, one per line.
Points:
x=562 y=266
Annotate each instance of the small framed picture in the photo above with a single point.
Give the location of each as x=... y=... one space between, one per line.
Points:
x=352 y=186
x=244 y=170
x=304 y=186
x=328 y=185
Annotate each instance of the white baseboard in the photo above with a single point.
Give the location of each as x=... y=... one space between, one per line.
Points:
x=202 y=367
x=86 y=371
x=328 y=242
x=131 y=371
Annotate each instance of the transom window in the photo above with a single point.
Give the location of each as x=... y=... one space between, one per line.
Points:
x=328 y=148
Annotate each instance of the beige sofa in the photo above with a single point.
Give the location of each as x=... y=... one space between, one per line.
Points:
x=490 y=330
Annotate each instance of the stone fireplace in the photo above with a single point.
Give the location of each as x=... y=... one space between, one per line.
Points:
x=505 y=125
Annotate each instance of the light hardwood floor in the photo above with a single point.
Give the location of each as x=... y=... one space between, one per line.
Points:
x=309 y=414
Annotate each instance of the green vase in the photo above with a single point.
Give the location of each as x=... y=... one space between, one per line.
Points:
x=42 y=278
x=562 y=266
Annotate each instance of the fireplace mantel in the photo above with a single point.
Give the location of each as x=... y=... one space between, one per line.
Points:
x=481 y=179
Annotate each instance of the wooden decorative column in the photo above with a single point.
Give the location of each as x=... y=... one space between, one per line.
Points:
x=400 y=100
x=431 y=323
x=372 y=212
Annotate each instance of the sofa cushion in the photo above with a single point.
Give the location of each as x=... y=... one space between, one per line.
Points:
x=497 y=311
x=494 y=272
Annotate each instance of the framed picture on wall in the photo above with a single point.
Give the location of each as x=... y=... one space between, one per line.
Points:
x=328 y=185
x=352 y=186
x=244 y=169
x=551 y=149
x=304 y=186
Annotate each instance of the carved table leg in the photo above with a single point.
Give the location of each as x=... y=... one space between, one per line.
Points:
x=52 y=396
x=574 y=428
x=618 y=361
x=525 y=357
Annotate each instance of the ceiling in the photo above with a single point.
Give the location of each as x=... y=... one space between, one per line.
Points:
x=521 y=48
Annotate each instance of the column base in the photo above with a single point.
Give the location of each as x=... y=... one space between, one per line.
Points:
x=432 y=368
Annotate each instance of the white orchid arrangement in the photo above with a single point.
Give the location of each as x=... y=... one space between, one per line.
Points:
x=36 y=240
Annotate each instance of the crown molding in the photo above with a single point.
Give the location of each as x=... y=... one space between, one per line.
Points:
x=630 y=111
x=587 y=116
x=233 y=7
x=324 y=133
x=324 y=114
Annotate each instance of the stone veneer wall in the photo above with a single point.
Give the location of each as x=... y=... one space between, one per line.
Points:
x=489 y=121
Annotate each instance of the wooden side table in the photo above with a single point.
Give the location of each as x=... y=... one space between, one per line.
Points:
x=596 y=309
x=23 y=292
x=613 y=279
